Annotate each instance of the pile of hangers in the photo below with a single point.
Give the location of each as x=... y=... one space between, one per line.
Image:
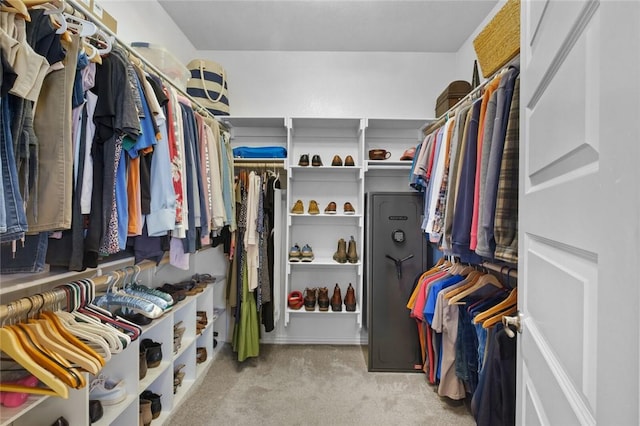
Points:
x=95 y=41
x=57 y=346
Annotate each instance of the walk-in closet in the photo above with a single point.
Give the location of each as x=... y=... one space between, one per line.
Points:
x=288 y=212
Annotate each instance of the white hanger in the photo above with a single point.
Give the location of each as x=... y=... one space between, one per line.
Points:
x=79 y=26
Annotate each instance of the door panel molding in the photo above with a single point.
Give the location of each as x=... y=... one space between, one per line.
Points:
x=530 y=394
x=580 y=408
x=538 y=88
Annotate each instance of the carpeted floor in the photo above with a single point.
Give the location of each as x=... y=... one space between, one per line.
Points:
x=312 y=385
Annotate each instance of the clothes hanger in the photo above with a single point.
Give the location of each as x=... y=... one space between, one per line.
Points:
x=51 y=339
x=18 y=7
x=490 y=322
x=11 y=346
x=78 y=26
x=471 y=279
x=481 y=282
x=510 y=301
x=56 y=365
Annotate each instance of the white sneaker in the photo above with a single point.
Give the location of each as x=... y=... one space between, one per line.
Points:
x=107 y=391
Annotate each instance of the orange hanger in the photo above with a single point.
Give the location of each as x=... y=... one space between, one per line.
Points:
x=511 y=300
x=490 y=322
x=471 y=279
x=482 y=281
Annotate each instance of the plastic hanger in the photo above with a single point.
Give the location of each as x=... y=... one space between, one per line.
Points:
x=78 y=26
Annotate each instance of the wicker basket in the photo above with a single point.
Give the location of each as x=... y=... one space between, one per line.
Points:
x=499 y=41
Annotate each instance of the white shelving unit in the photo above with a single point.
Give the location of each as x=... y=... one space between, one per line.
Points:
x=325 y=137
x=125 y=365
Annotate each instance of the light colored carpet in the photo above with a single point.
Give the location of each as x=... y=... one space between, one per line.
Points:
x=312 y=385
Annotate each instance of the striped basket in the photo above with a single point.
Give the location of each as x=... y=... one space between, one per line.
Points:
x=499 y=41
x=208 y=84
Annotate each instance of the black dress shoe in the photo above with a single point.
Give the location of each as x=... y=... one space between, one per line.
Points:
x=60 y=421
x=304 y=160
x=154 y=352
x=316 y=161
x=95 y=410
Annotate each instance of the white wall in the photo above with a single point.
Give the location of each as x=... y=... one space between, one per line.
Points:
x=146 y=20
x=466 y=54
x=334 y=84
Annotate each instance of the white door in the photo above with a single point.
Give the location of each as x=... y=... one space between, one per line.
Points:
x=579 y=213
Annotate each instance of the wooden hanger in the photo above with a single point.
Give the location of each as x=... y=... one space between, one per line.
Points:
x=510 y=301
x=490 y=322
x=471 y=279
x=18 y=7
x=482 y=281
x=11 y=346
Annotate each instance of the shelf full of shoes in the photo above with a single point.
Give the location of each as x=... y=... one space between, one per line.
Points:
x=392 y=143
x=145 y=369
x=325 y=228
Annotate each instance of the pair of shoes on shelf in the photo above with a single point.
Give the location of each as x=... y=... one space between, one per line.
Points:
x=178 y=332
x=349 y=299
x=153 y=352
x=201 y=321
x=142 y=369
x=201 y=355
x=347 y=208
x=316 y=295
x=107 y=391
x=304 y=254
x=155 y=403
x=16 y=399
x=295 y=300
x=316 y=161
x=337 y=161
x=298 y=207
x=342 y=254
x=178 y=376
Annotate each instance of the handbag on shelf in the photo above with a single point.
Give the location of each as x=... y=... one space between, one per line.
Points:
x=208 y=85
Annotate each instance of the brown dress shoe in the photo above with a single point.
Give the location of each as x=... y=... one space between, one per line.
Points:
x=336 y=299
x=352 y=254
x=310 y=299
x=350 y=299
x=340 y=255
x=348 y=208
x=146 y=416
x=316 y=161
x=313 y=207
x=331 y=208
x=348 y=161
x=323 y=299
x=298 y=207
x=304 y=160
x=337 y=161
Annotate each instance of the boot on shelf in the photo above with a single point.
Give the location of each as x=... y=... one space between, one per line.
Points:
x=340 y=255
x=352 y=254
x=336 y=299
x=323 y=299
x=350 y=299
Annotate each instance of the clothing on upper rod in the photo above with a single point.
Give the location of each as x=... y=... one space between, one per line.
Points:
x=135 y=167
x=468 y=172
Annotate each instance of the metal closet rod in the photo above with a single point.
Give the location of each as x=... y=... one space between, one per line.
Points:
x=258 y=165
x=503 y=269
x=87 y=15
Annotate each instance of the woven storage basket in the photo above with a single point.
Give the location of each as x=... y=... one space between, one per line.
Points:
x=499 y=41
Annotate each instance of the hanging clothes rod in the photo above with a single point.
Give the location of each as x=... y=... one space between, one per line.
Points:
x=87 y=15
x=271 y=164
x=503 y=269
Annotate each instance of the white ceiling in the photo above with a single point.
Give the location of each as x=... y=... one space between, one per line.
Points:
x=329 y=25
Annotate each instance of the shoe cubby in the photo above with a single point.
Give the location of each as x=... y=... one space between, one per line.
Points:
x=324 y=140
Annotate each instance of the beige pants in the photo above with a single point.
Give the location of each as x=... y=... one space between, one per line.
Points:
x=50 y=209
